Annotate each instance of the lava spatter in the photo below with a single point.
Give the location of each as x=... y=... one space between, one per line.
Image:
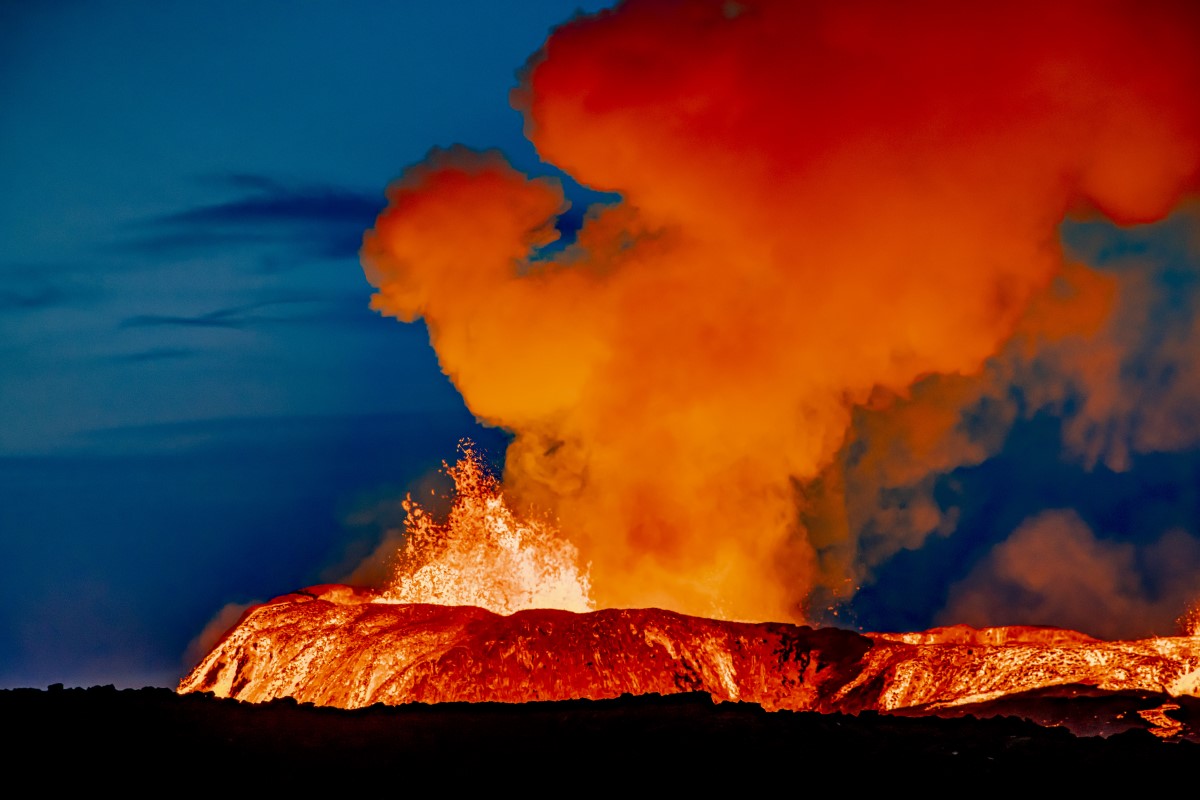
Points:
x=484 y=554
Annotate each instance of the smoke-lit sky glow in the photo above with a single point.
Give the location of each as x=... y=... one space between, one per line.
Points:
x=853 y=338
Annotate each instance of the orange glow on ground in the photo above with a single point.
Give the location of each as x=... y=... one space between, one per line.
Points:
x=334 y=645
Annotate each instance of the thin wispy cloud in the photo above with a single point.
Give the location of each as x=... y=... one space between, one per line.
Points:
x=275 y=311
x=310 y=221
x=157 y=354
x=38 y=287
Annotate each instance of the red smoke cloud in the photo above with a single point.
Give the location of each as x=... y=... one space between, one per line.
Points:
x=821 y=204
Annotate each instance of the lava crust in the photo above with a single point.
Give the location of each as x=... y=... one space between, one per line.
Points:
x=342 y=646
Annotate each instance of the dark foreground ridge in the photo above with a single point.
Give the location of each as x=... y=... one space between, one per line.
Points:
x=683 y=737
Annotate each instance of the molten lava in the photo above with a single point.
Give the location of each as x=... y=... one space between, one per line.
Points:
x=484 y=555
x=340 y=646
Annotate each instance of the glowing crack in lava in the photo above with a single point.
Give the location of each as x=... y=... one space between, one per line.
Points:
x=483 y=555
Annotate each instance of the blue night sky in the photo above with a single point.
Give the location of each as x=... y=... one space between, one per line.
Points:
x=197 y=400
x=200 y=409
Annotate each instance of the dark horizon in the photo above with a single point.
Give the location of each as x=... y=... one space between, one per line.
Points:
x=204 y=413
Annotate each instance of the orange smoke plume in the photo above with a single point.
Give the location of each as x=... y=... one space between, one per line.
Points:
x=820 y=202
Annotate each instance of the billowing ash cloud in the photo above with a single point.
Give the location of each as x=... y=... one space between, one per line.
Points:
x=1054 y=567
x=825 y=208
x=1099 y=378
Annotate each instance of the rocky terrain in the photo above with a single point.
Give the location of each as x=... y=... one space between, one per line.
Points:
x=341 y=646
x=157 y=739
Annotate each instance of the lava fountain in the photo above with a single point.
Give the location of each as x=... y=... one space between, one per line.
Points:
x=484 y=555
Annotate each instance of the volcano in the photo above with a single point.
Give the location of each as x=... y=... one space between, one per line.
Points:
x=805 y=243
x=334 y=645
x=465 y=619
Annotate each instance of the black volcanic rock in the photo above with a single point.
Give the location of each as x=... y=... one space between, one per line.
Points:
x=1086 y=711
x=101 y=737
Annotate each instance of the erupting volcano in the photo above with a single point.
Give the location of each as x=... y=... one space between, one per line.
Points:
x=474 y=613
x=827 y=268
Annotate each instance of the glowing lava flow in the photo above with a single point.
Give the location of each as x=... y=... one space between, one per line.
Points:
x=469 y=617
x=483 y=555
x=338 y=646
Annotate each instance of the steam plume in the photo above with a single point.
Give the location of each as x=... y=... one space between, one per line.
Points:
x=1054 y=567
x=821 y=204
